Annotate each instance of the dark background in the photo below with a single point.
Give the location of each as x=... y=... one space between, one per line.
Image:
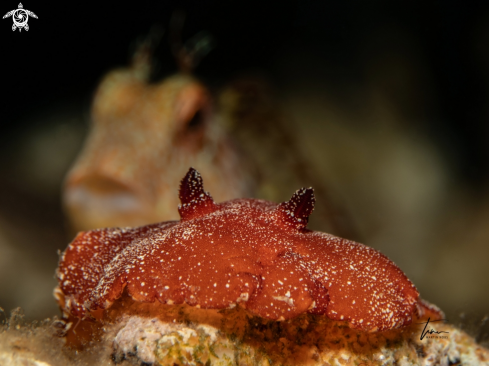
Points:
x=55 y=66
x=69 y=47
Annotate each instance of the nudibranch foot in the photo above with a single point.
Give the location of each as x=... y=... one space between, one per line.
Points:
x=425 y=309
x=246 y=251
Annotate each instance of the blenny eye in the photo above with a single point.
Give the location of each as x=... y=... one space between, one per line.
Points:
x=197 y=119
x=191 y=106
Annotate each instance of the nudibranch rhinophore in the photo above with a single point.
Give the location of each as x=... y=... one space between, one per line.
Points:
x=250 y=252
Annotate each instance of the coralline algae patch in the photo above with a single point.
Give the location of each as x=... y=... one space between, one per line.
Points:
x=184 y=335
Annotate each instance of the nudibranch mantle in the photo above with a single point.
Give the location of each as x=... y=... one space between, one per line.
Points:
x=247 y=251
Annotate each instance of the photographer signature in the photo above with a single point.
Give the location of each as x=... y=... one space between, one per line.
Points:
x=430 y=331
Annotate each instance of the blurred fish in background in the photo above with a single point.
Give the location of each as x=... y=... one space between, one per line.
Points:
x=381 y=107
x=142 y=137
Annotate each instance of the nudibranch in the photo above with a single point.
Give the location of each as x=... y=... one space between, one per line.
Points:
x=250 y=252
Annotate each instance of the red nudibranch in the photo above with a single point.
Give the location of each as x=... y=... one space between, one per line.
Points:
x=245 y=251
